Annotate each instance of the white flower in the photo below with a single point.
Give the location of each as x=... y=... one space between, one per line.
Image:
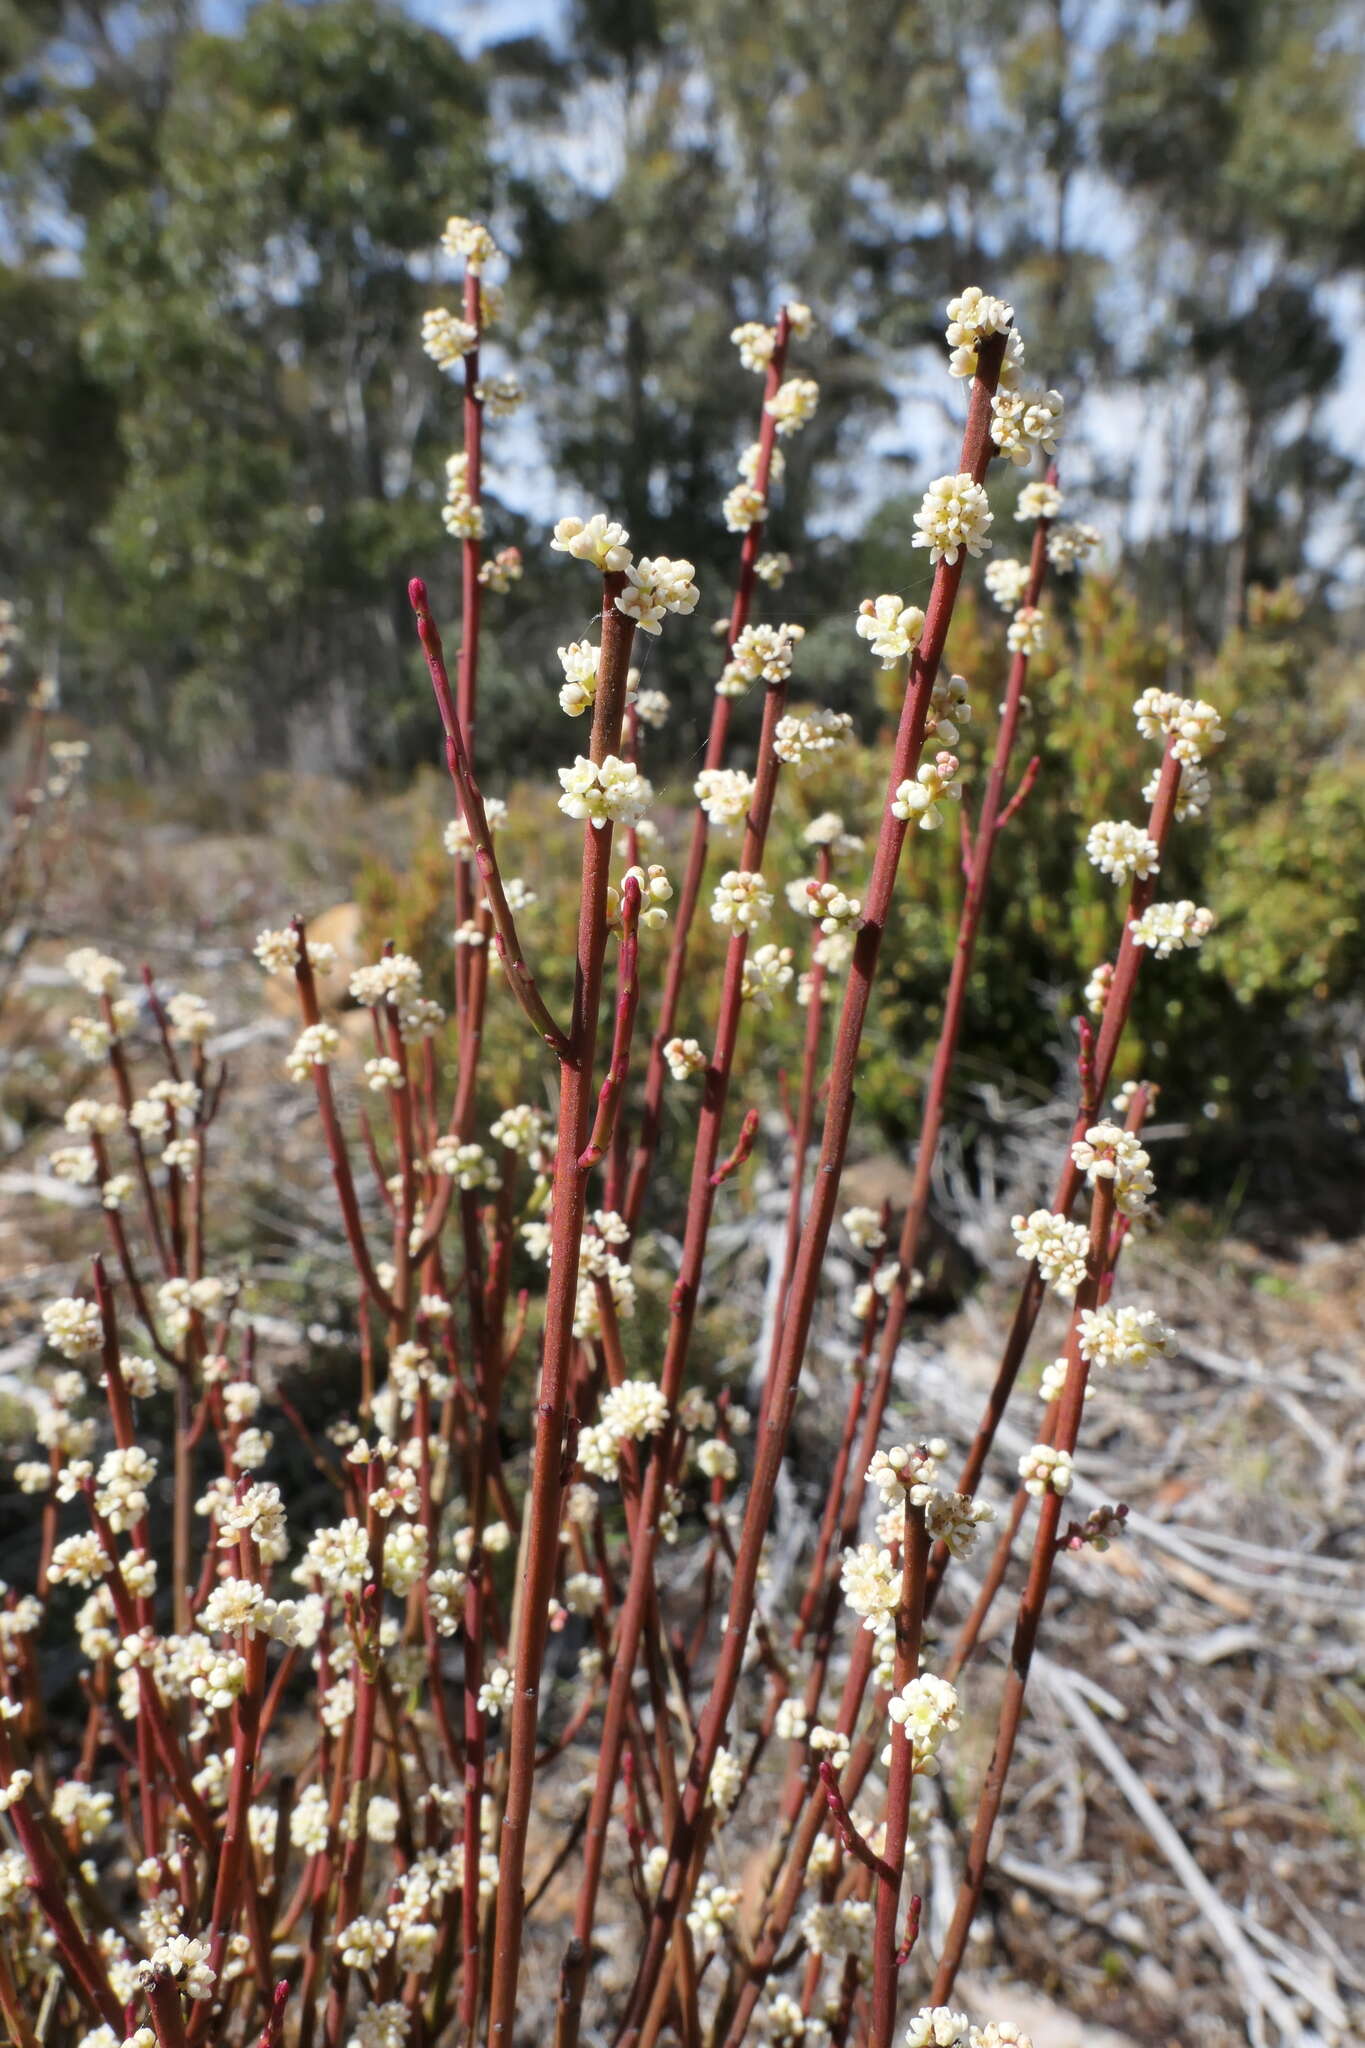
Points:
x=1060 y=1248
x=1038 y=501
x=972 y=316
x=495 y=1694
x=1024 y=420
x=716 y=1460
x=920 y=799
x=907 y=1470
x=317 y=1045
x=655 y=587
x=723 y=1785
x=579 y=663
x=461 y=517
x=1027 y=631
x=652 y=706
x=79 y=1561
x=635 y=1410
x=760 y=654
x=954 y=515
x=1107 y=1152
x=755 y=343
x=598 y=540
x=1007 y=580
x=927 y=1710
x=384 y=1073
x=1125 y=1336
x=773 y=569
x=949 y=709
x=521 y=1129
x=1068 y=546
x=1045 y=1470
x=607 y=791
x=954 y=1519
x=937 y=2026
x=870 y=1582
x=724 y=794
x=500 y=398
x=1169 y=927
x=99 y=974
x=469 y=239
x=502 y=570
x=808 y=743
x=71 y=1326
x=744 y=508
x=684 y=1058
x=864 y=1228
x=191 y=1018
x=741 y=902
x=447 y=338
x=792 y=404
x=1122 y=851
x=1195 y=725
x=396 y=977
x=893 y=628
x=364 y=1942
x=714 y=1909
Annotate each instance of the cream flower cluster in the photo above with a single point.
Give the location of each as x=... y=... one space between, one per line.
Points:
x=973 y=316
x=920 y=797
x=1027 y=631
x=955 y=1520
x=954 y=514
x=684 y=1058
x=827 y=902
x=469 y=241
x=1122 y=851
x=655 y=587
x=610 y=791
x=500 y=397
x=741 y=902
x=1024 y=420
x=1060 y=1248
x=1038 y=501
x=1006 y=580
x=925 y=1711
x=1193 y=724
x=938 y=2026
x=1124 y=1336
x=724 y=794
x=907 y=1471
x=807 y=743
x=1170 y=927
x=501 y=571
x=317 y=1045
x=864 y=1229
x=447 y=338
x=72 y=1326
x=760 y=654
x=579 y=663
x=755 y=343
x=1044 y=1469
x=461 y=517
x=949 y=710
x=793 y=405
x=598 y=541
x=870 y=1581
x=773 y=568
x=1107 y=1152
x=892 y=627
x=656 y=893
x=1068 y=546
x=768 y=972
x=393 y=979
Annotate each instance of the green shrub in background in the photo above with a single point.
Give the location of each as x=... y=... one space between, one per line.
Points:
x=1251 y=1034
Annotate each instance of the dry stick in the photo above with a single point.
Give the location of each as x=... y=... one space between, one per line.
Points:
x=1117 y=1006
x=519 y=977
x=975 y=456
x=992 y=817
x=1031 y=1603
x=690 y=892
x=332 y=1132
x=471 y=599
x=900 y=1781
x=540 y=1549
x=682 y=1312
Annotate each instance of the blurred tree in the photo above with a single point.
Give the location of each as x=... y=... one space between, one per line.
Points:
x=250 y=297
